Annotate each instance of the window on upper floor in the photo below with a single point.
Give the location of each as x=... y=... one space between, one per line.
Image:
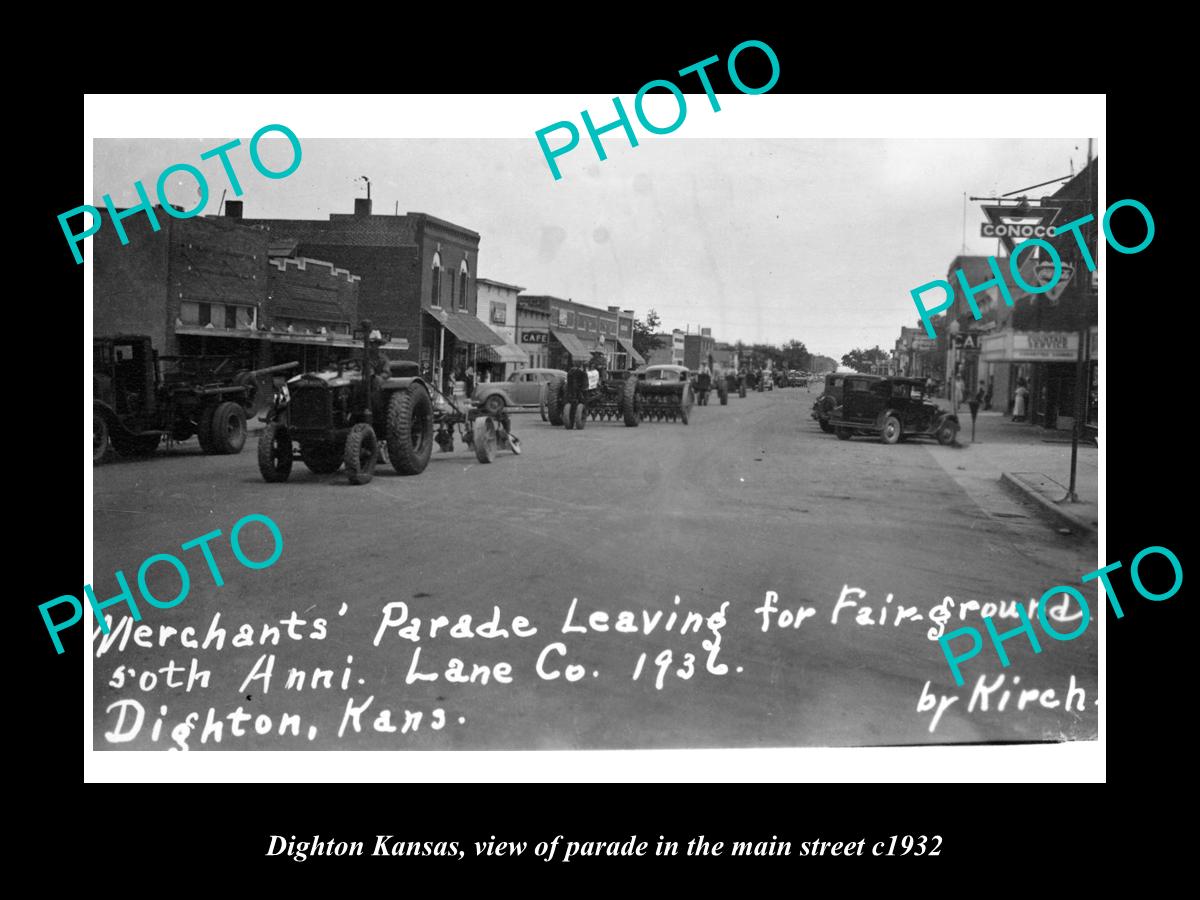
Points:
x=463 y=273
x=436 y=280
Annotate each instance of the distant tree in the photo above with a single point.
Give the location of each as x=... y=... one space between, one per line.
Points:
x=645 y=334
x=796 y=355
x=865 y=360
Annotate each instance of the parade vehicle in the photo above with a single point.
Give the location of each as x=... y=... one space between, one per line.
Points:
x=140 y=398
x=829 y=400
x=352 y=417
x=735 y=384
x=892 y=409
x=594 y=392
x=664 y=393
x=525 y=389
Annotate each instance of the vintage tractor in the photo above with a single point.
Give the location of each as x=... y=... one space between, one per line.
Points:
x=595 y=392
x=364 y=411
x=138 y=398
x=735 y=384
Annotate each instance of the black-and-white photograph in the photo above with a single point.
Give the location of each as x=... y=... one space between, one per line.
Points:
x=405 y=444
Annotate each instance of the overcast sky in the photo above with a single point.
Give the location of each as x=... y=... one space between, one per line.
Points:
x=761 y=240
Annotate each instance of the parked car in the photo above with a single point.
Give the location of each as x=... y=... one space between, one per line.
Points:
x=830 y=399
x=891 y=409
x=524 y=389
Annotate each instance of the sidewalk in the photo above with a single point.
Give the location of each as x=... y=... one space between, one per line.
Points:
x=1032 y=464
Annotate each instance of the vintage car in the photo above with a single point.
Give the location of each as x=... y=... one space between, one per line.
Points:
x=891 y=409
x=523 y=389
x=829 y=400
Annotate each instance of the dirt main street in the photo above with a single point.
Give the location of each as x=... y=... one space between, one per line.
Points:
x=590 y=537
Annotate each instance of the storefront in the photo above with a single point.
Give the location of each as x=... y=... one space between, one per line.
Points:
x=1046 y=361
x=452 y=344
x=627 y=356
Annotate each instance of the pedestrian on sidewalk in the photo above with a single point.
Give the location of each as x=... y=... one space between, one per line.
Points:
x=960 y=390
x=1022 y=398
x=987 y=398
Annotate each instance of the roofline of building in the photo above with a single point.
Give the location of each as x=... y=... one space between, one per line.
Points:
x=503 y=284
x=442 y=223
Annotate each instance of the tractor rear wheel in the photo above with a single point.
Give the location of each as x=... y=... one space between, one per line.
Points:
x=321 y=459
x=554 y=402
x=410 y=430
x=362 y=450
x=275 y=453
x=228 y=429
x=485 y=439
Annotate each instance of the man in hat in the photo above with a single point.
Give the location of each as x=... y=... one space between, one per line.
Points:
x=381 y=366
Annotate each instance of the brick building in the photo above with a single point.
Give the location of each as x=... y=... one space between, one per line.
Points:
x=556 y=332
x=697 y=349
x=418 y=277
x=205 y=286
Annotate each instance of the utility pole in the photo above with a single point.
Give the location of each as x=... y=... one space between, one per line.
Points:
x=1082 y=293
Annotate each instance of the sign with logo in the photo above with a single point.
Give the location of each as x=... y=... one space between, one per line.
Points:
x=534 y=337
x=967 y=341
x=1044 y=273
x=1013 y=224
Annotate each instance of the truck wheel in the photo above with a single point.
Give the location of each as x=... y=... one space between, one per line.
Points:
x=204 y=429
x=843 y=434
x=629 y=411
x=362 y=450
x=410 y=430
x=825 y=426
x=947 y=433
x=228 y=429
x=485 y=439
x=321 y=459
x=100 y=440
x=581 y=414
x=275 y=453
x=554 y=402
x=891 y=430
x=494 y=405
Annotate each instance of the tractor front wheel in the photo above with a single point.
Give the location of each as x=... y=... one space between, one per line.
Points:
x=275 y=453
x=362 y=451
x=485 y=439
